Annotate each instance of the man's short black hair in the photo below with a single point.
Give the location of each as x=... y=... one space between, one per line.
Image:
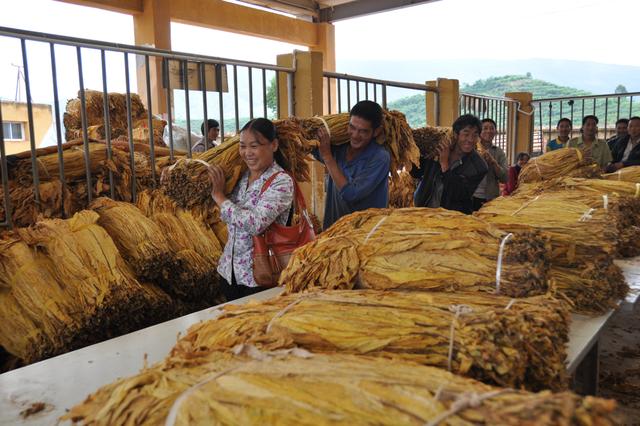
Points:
x=521 y=155
x=370 y=111
x=212 y=124
x=623 y=120
x=635 y=117
x=488 y=120
x=564 y=119
x=589 y=117
x=466 y=120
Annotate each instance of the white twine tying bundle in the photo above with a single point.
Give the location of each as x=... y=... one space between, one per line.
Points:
x=503 y=243
x=510 y=304
x=637 y=190
x=457 y=310
x=605 y=201
x=587 y=215
x=326 y=126
x=175 y=407
x=374 y=229
x=241 y=349
x=525 y=205
x=285 y=310
x=535 y=161
x=466 y=400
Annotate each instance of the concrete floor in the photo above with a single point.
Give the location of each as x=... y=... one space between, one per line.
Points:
x=620 y=362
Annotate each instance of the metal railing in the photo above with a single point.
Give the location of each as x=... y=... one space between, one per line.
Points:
x=608 y=108
x=345 y=90
x=243 y=96
x=501 y=110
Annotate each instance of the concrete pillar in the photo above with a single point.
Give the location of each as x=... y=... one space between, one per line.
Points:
x=432 y=104
x=443 y=108
x=152 y=28
x=308 y=102
x=327 y=46
x=520 y=124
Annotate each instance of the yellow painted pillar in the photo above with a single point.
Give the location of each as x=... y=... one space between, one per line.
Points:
x=443 y=107
x=448 y=101
x=326 y=34
x=152 y=28
x=520 y=124
x=432 y=104
x=308 y=102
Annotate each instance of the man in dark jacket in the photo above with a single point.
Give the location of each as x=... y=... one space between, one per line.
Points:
x=450 y=181
x=626 y=150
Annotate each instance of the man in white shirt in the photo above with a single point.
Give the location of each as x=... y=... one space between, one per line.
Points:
x=212 y=133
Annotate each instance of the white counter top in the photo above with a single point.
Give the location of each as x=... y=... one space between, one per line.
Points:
x=66 y=380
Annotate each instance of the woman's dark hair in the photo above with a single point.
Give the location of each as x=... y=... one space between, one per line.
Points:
x=521 y=155
x=263 y=126
x=466 y=120
x=564 y=119
x=267 y=129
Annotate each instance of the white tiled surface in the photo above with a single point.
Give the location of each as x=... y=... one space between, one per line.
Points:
x=66 y=380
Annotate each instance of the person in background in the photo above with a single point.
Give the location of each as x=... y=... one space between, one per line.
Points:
x=357 y=172
x=514 y=171
x=496 y=159
x=563 y=128
x=626 y=150
x=212 y=136
x=588 y=142
x=247 y=211
x=621 y=131
x=450 y=181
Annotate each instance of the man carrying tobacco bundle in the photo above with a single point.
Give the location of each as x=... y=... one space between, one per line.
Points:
x=450 y=181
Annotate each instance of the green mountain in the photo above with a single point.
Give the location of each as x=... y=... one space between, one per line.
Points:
x=414 y=106
x=498 y=86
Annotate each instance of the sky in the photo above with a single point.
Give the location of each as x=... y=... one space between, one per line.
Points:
x=588 y=30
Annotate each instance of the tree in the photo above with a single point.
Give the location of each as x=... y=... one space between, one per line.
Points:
x=272 y=96
x=528 y=75
x=621 y=89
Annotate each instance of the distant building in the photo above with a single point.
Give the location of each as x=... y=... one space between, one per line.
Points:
x=15 y=125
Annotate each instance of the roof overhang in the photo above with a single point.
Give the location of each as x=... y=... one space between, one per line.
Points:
x=333 y=10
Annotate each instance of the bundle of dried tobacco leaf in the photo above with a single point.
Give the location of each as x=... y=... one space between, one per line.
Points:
x=627 y=174
x=495 y=339
x=63 y=285
x=195 y=249
x=429 y=138
x=584 y=241
x=401 y=190
x=301 y=388
x=561 y=162
x=58 y=200
x=422 y=249
x=140 y=241
x=618 y=199
x=94 y=102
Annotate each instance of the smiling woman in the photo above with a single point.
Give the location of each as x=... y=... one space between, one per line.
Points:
x=261 y=197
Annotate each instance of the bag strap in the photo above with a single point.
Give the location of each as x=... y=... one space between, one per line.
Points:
x=300 y=206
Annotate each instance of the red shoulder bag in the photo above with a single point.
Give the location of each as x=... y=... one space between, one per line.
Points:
x=272 y=249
